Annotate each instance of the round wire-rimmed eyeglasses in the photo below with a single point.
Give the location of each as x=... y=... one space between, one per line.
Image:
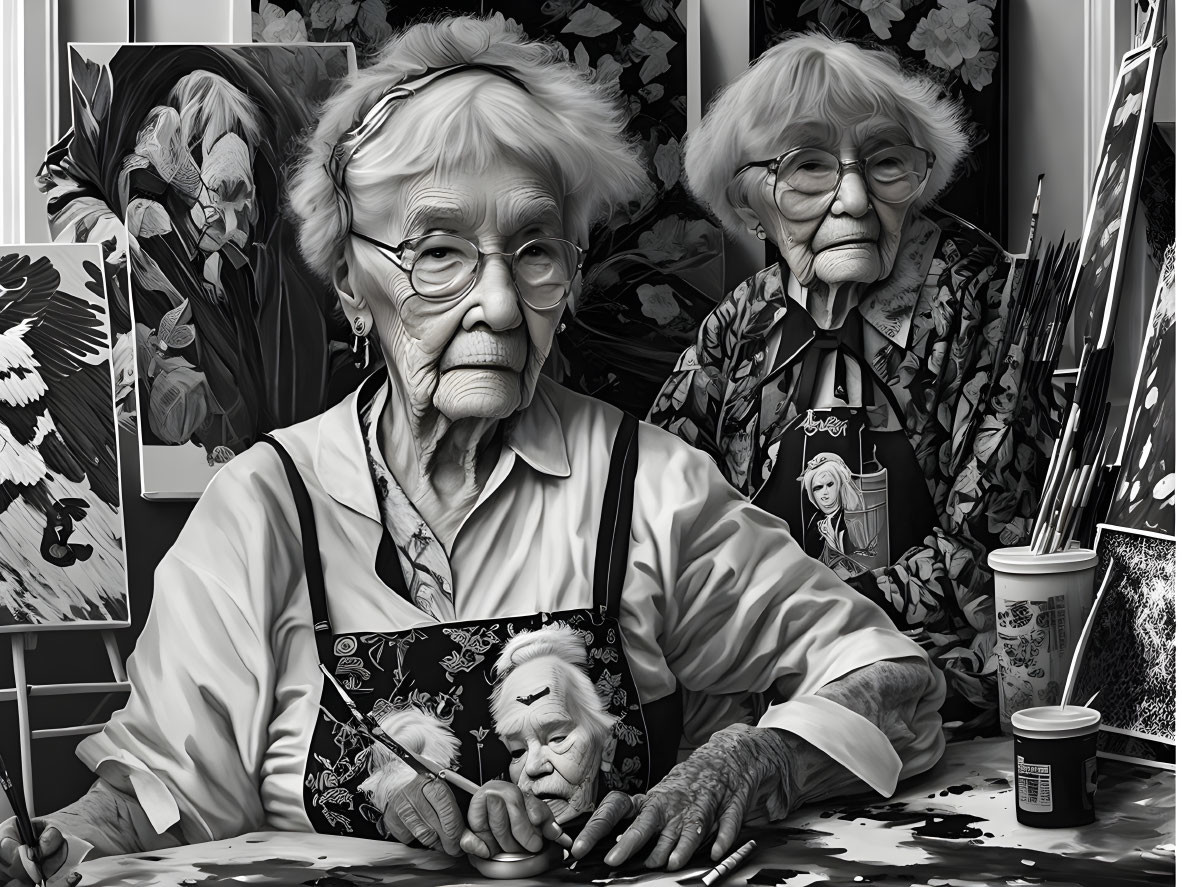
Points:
x=443 y=267
x=808 y=179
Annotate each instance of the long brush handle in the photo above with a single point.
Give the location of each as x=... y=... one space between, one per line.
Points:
x=1077 y=656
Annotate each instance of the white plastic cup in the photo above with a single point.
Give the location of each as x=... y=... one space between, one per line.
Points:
x=1041 y=602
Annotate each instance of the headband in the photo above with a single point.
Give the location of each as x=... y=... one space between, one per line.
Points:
x=352 y=141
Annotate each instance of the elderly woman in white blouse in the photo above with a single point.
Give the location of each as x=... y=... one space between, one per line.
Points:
x=392 y=546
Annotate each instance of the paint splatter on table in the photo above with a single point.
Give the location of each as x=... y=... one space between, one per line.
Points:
x=951 y=827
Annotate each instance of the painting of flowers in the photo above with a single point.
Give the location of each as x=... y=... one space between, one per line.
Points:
x=175 y=164
x=959 y=44
x=654 y=269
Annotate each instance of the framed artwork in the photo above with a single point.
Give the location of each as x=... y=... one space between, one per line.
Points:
x=1096 y=286
x=62 y=561
x=1129 y=657
x=960 y=46
x=176 y=164
x=654 y=269
x=1145 y=488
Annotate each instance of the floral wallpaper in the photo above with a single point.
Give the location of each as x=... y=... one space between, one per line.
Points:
x=655 y=267
x=960 y=44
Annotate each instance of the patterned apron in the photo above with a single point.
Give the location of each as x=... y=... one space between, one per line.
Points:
x=848 y=486
x=446 y=669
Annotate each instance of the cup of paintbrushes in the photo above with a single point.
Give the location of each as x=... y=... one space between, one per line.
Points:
x=1041 y=602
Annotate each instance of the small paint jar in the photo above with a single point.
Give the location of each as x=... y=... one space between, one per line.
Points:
x=509 y=866
x=1055 y=765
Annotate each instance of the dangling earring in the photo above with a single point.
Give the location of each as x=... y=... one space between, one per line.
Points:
x=760 y=233
x=360 y=344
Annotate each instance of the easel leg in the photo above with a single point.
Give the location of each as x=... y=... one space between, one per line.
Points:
x=22 y=714
x=113 y=654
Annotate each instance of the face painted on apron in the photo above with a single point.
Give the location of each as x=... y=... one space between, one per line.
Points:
x=845 y=478
x=544 y=700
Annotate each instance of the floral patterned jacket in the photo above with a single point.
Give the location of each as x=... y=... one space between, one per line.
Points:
x=940 y=317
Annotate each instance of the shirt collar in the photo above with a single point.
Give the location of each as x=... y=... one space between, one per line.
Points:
x=535 y=434
x=341 y=463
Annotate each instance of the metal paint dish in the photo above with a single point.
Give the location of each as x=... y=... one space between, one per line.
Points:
x=506 y=866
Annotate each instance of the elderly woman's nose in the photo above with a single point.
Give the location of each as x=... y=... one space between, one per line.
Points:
x=852 y=198
x=537 y=761
x=493 y=300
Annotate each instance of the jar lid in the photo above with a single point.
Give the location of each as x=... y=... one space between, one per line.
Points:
x=1020 y=559
x=1050 y=721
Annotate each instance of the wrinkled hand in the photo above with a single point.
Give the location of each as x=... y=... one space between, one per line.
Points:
x=503 y=818
x=711 y=790
x=17 y=868
x=426 y=811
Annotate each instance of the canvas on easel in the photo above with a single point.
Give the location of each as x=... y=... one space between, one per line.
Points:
x=1145 y=488
x=1128 y=667
x=62 y=557
x=1115 y=184
x=61 y=531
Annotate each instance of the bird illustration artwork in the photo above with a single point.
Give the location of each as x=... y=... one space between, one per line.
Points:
x=56 y=408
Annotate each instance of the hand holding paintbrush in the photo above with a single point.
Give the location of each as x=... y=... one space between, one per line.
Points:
x=23 y=859
x=371 y=728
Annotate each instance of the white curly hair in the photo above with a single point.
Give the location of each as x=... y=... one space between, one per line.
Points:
x=563 y=124
x=564 y=644
x=813 y=76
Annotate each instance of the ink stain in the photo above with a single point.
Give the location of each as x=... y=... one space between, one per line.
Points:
x=959 y=789
x=772 y=877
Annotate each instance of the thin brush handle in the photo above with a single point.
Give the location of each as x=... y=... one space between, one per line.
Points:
x=1077 y=656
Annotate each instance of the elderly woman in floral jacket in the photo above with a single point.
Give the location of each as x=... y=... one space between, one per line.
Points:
x=874 y=336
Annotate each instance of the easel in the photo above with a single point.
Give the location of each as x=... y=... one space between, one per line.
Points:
x=23 y=638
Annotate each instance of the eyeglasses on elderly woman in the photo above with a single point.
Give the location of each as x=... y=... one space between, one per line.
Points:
x=807 y=179
x=442 y=267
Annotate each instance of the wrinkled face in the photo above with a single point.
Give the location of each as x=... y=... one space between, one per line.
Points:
x=824 y=490
x=477 y=355
x=853 y=239
x=225 y=208
x=552 y=755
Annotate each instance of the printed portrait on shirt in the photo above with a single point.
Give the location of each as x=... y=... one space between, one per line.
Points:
x=546 y=711
x=847 y=527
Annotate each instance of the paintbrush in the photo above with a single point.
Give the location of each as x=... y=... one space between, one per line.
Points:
x=24 y=825
x=1077 y=656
